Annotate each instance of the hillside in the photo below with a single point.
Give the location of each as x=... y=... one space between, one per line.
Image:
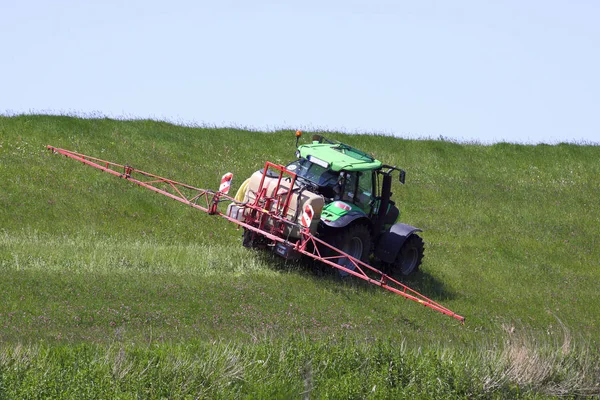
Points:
x=512 y=243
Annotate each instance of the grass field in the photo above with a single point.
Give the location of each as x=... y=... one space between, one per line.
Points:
x=111 y=291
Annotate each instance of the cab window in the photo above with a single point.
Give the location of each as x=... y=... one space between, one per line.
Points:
x=365 y=189
x=358 y=189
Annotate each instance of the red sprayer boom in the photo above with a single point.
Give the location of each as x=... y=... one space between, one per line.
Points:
x=265 y=216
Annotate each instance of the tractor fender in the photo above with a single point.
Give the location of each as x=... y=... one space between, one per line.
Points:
x=390 y=242
x=347 y=219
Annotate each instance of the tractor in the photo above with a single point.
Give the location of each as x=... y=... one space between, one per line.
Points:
x=333 y=205
x=349 y=192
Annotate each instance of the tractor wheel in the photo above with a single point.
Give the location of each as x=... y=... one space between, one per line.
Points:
x=247 y=238
x=410 y=256
x=354 y=240
x=252 y=240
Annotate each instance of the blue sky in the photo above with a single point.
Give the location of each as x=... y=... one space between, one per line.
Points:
x=525 y=72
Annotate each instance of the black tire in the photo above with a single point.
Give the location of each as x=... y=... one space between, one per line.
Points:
x=252 y=240
x=354 y=240
x=410 y=256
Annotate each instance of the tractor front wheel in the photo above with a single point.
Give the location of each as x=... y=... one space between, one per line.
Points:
x=410 y=256
x=354 y=240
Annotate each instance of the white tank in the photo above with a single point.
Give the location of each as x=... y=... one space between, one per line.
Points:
x=297 y=203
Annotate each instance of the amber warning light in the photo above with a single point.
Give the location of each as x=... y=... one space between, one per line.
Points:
x=298 y=134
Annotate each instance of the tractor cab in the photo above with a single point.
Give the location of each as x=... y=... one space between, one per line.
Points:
x=358 y=214
x=348 y=179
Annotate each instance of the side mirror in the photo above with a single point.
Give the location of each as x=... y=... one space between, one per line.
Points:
x=402 y=176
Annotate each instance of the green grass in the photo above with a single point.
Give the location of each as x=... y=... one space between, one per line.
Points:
x=298 y=368
x=101 y=279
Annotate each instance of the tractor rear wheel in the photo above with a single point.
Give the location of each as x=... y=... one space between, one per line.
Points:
x=410 y=256
x=354 y=240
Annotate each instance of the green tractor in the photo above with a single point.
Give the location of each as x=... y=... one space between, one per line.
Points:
x=350 y=193
x=333 y=205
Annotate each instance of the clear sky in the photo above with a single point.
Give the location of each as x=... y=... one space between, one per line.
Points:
x=517 y=71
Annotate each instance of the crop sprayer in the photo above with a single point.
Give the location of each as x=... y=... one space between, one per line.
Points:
x=333 y=204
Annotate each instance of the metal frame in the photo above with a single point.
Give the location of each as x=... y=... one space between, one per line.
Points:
x=261 y=209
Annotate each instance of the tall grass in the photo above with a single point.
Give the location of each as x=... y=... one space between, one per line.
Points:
x=298 y=368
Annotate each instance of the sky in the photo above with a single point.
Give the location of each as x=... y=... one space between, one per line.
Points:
x=482 y=71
